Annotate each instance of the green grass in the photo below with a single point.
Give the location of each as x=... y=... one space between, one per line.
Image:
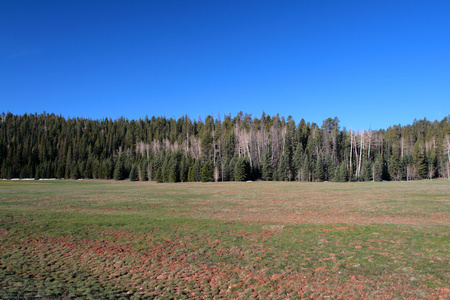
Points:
x=132 y=240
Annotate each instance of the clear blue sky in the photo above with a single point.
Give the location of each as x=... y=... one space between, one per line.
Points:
x=370 y=63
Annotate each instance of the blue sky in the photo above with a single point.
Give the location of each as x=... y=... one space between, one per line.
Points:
x=370 y=63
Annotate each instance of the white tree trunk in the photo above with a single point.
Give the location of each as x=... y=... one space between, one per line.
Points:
x=360 y=154
x=448 y=154
x=351 y=148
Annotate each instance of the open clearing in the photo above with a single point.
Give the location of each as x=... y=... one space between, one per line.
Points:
x=274 y=240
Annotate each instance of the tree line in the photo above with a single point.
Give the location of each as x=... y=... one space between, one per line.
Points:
x=236 y=148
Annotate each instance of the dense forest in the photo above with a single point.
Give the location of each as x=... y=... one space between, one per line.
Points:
x=236 y=148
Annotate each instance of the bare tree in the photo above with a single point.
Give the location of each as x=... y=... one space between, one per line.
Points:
x=369 y=142
x=448 y=155
x=360 y=153
x=216 y=174
x=351 y=149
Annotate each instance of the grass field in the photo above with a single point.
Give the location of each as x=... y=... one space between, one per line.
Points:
x=274 y=240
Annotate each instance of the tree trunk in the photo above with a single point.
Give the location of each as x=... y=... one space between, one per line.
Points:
x=360 y=154
x=448 y=154
x=351 y=149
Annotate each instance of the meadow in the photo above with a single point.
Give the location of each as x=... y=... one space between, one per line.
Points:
x=94 y=239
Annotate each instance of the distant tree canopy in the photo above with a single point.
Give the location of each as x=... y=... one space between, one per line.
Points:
x=233 y=149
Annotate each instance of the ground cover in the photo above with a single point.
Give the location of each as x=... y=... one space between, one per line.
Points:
x=274 y=240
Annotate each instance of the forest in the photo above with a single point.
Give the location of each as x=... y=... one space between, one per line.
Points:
x=238 y=148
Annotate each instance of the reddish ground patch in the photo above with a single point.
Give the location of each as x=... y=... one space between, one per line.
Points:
x=168 y=265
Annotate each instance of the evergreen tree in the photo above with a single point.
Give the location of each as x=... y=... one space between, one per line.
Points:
x=87 y=170
x=143 y=170
x=367 y=171
x=165 y=170
x=74 y=172
x=284 y=172
x=81 y=169
x=394 y=165
x=342 y=173
x=156 y=166
x=174 y=167
x=184 y=168
x=109 y=168
x=68 y=162
x=133 y=174
x=419 y=161
x=330 y=167
x=158 y=175
x=288 y=150
x=119 y=169
x=297 y=160
x=320 y=172
x=207 y=172
x=227 y=170
x=191 y=176
x=60 y=171
x=206 y=143
x=306 y=169
x=267 y=167
x=240 y=170
x=197 y=171
x=377 y=168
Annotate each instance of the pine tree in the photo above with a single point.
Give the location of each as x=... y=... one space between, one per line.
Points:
x=377 y=168
x=165 y=170
x=158 y=175
x=330 y=167
x=306 y=169
x=240 y=170
x=267 y=166
x=227 y=170
x=87 y=170
x=119 y=169
x=419 y=161
x=367 y=171
x=207 y=172
x=174 y=167
x=320 y=172
x=284 y=172
x=197 y=171
x=68 y=162
x=342 y=173
x=206 y=143
x=74 y=172
x=143 y=170
x=394 y=164
x=133 y=174
x=191 y=177
x=297 y=160
x=109 y=168
x=156 y=166
x=60 y=170
x=184 y=168
x=81 y=169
